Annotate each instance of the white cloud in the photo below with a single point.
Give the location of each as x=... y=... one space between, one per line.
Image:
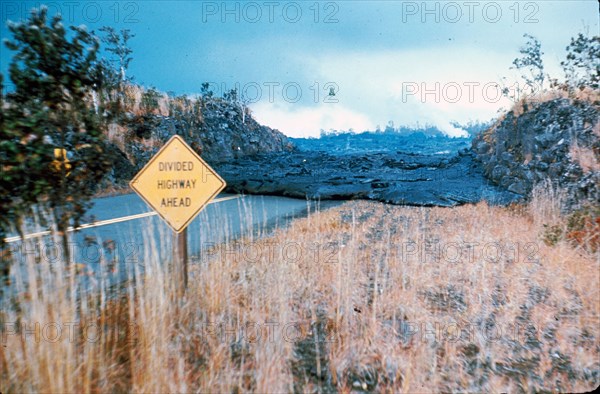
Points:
x=432 y=85
x=296 y=121
x=373 y=89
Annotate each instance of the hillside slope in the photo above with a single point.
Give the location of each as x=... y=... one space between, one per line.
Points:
x=215 y=128
x=556 y=140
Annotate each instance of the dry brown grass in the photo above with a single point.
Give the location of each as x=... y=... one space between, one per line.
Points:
x=112 y=191
x=133 y=94
x=364 y=297
x=586 y=94
x=585 y=156
x=116 y=135
x=527 y=101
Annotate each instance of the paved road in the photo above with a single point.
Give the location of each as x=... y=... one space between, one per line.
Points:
x=131 y=241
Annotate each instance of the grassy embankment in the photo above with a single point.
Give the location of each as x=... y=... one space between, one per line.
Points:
x=365 y=296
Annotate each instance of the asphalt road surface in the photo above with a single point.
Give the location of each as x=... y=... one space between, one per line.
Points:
x=127 y=243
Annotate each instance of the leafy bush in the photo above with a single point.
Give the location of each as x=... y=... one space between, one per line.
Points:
x=532 y=67
x=54 y=74
x=149 y=102
x=552 y=234
x=582 y=65
x=583 y=227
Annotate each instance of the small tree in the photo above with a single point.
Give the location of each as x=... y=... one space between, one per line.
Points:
x=389 y=128
x=205 y=91
x=5 y=197
x=239 y=100
x=150 y=102
x=531 y=61
x=116 y=78
x=231 y=96
x=49 y=111
x=582 y=65
x=118 y=45
x=243 y=104
x=1 y=101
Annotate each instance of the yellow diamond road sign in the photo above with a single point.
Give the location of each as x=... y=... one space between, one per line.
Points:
x=177 y=183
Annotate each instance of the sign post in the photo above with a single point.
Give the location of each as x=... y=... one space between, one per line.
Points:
x=181 y=252
x=177 y=184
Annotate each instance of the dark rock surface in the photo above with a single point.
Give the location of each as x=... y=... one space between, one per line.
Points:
x=504 y=164
x=397 y=178
x=216 y=130
x=541 y=143
x=256 y=159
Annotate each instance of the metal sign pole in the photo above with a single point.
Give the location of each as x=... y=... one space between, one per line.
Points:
x=181 y=253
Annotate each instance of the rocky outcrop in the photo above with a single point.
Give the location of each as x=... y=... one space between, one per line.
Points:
x=224 y=136
x=558 y=140
x=217 y=131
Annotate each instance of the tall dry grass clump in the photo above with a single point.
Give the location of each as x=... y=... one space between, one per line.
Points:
x=546 y=204
x=72 y=328
x=585 y=157
x=363 y=297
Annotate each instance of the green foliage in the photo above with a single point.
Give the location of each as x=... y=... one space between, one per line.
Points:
x=205 y=91
x=1 y=101
x=582 y=65
x=150 y=98
x=115 y=75
x=179 y=105
x=54 y=77
x=581 y=228
x=552 y=234
x=530 y=63
x=118 y=45
x=5 y=198
x=231 y=96
x=578 y=219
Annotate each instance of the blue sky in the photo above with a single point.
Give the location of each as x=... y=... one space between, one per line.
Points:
x=405 y=61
